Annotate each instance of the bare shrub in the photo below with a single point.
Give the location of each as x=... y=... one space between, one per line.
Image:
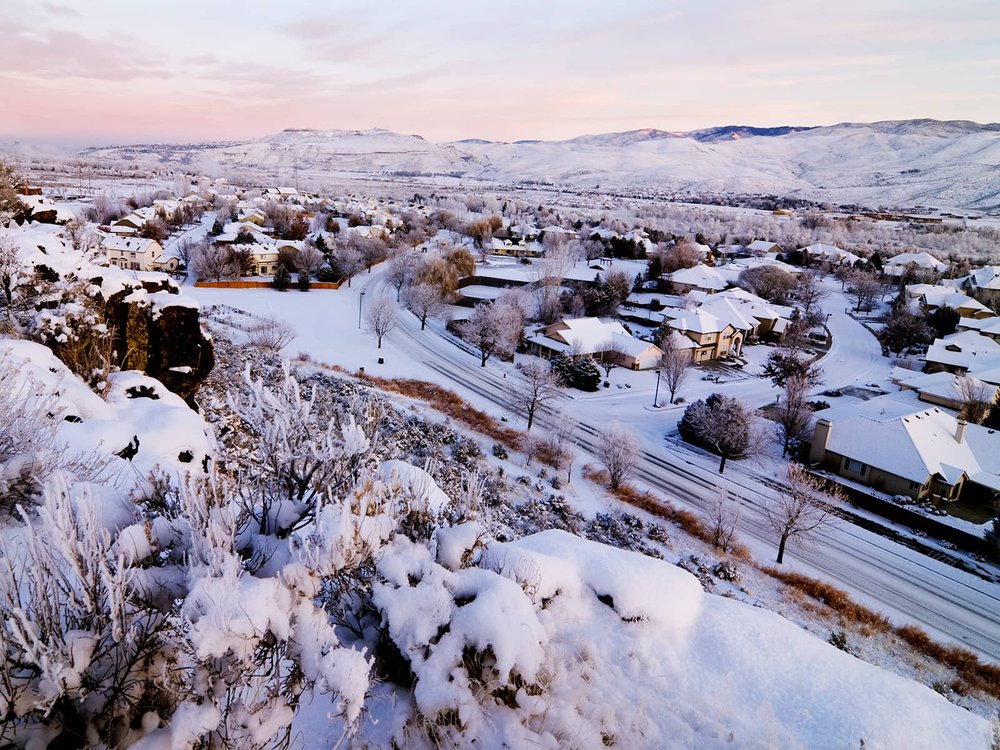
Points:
x=618 y=448
x=271 y=335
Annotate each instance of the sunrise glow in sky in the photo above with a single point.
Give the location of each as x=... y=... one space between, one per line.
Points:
x=107 y=71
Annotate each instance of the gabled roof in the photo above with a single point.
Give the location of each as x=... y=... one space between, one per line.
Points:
x=729 y=311
x=985 y=326
x=762 y=246
x=832 y=254
x=945 y=296
x=987 y=277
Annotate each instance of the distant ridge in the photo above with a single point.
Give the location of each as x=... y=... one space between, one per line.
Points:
x=952 y=164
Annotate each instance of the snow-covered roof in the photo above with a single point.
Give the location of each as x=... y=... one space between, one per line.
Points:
x=129 y=244
x=915 y=444
x=696 y=321
x=987 y=277
x=700 y=277
x=920 y=260
x=831 y=254
x=761 y=246
x=941 y=296
x=590 y=336
x=942 y=385
x=965 y=349
x=985 y=326
x=729 y=310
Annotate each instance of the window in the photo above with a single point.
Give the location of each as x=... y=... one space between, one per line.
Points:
x=855 y=467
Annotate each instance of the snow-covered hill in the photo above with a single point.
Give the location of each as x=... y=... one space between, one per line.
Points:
x=954 y=164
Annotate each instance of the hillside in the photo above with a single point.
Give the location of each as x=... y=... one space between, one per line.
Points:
x=954 y=164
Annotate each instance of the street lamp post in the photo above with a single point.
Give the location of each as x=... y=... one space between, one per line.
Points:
x=360 y=300
x=656 y=394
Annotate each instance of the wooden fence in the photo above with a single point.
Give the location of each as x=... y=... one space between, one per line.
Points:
x=263 y=285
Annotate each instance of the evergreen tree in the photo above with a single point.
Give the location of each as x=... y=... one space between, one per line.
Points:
x=282 y=279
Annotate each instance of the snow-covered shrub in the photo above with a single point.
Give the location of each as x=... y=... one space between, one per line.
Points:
x=83 y=653
x=299 y=457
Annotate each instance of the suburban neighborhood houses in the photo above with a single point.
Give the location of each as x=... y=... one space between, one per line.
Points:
x=598 y=295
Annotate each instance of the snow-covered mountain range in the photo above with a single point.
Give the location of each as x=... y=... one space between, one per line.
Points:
x=945 y=164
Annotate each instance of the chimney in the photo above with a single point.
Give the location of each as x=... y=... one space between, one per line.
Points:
x=821 y=436
x=960 y=430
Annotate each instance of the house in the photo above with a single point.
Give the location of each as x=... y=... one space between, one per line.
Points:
x=941 y=388
x=983 y=284
x=930 y=297
x=829 y=255
x=762 y=247
x=759 y=317
x=701 y=278
x=128 y=225
x=252 y=215
x=582 y=337
x=713 y=337
x=902 y=447
x=898 y=265
x=962 y=352
x=985 y=326
x=262 y=258
x=135 y=253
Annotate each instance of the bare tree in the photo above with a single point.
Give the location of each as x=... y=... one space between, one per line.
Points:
x=977 y=398
x=561 y=444
x=349 y=260
x=864 y=288
x=810 y=295
x=769 y=282
x=400 y=270
x=549 y=274
x=541 y=385
x=271 y=335
x=381 y=317
x=425 y=301
x=185 y=250
x=494 y=327
x=681 y=255
x=11 y=273
x=793 y=415
x=612 y=353
x=725 y=517
x=800 y=510
x=308 y=260
x=675 y=362
x=214 y=262
x=618 y=449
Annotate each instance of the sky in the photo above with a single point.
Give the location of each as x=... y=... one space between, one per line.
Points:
x=115 y=71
